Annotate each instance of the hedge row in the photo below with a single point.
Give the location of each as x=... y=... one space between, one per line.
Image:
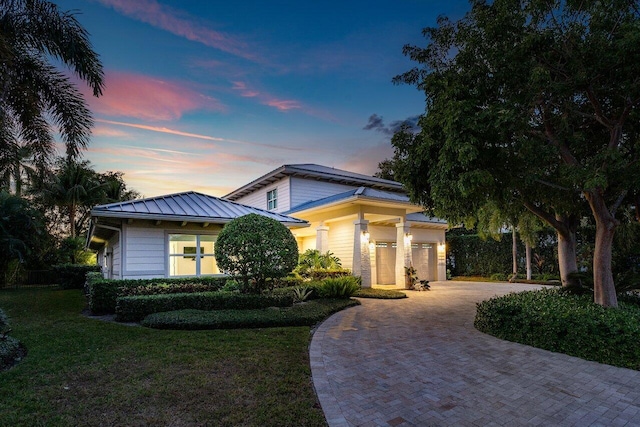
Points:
x=554 y=320
x=72 y=276
x=136 y=308
x=299 y=315
x=102 y=293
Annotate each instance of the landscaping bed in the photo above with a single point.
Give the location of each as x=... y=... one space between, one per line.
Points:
x=554 y=320
x=379 y=293
x=302 y=314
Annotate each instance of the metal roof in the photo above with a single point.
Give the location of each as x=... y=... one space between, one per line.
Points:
x=360 y=192
x=189 y=206
x=420 y=217
x=317 y=172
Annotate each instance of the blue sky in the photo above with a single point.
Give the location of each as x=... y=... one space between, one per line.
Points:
x=209 y=95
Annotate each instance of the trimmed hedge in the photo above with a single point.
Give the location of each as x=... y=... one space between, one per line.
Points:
x=554 y=320
x=136 y=308
x=102 y=293
x=72 y=276
x=306 y=314
x=379 y=293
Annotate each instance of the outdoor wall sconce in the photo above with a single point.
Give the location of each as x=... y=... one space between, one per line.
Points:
x=365 y=235
x=408 y=237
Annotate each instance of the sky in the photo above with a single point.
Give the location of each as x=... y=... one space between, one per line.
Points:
x=209 y=95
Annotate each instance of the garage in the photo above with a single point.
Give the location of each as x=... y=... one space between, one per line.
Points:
x=386 y=263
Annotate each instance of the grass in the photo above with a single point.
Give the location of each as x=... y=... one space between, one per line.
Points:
x=84 y=372
x=305 y=314
x=379 y=293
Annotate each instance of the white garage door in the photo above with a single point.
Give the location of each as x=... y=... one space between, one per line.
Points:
x=386 y=263
x=423 y=258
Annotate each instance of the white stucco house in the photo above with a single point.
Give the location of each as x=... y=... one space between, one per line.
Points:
x=368 y=222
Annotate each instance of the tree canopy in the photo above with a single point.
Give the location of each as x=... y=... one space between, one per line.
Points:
x=36 y=97
x=533 y=102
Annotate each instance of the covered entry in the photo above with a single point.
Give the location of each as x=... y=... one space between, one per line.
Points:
x=423 y=257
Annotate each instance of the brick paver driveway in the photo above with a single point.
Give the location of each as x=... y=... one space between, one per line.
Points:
x=419 y=361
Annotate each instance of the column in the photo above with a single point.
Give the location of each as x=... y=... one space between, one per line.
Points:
x=361 y=259
x=442 y=261
x=403 y=251
x=322 y=239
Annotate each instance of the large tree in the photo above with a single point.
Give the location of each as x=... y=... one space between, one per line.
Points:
x=532 y=102
x=37 y=98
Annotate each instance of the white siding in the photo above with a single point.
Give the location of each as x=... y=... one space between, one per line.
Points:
x=258 y=198
x=341 y=241
x=306 y=190
x=116 y=260
x=306 y=243
x=145 y=250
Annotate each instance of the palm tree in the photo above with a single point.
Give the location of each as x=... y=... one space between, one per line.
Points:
x=35 y=96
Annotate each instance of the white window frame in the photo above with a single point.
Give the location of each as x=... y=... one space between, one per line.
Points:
x=272 y=199
x=198 y=255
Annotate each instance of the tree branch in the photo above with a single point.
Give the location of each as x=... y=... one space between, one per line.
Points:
x=618 y=202
x=547 y=217
x=565 y=154
x=597 y=108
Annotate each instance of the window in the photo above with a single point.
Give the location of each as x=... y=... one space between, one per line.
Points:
x=272 y=199
x=191 y=255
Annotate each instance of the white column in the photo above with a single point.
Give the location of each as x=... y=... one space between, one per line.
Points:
x=361 y=259
x=442 y=261
x=322 y=239
x=403 y=251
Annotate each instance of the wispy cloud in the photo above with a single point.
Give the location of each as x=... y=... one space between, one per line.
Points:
x=266 y=98
x=161 y=129
x=182 y=25
x=148 y=98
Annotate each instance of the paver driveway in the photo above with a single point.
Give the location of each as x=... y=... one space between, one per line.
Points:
x=419 y=361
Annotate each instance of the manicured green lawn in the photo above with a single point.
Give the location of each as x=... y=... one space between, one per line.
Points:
x=85 y=372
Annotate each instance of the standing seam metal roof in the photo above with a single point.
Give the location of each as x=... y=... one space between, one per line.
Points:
x=186 y=206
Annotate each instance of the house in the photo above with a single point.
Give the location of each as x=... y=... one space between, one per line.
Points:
x=165 y=236
x=368 y=222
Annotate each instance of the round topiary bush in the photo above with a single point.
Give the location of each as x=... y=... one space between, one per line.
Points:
x=256 y=248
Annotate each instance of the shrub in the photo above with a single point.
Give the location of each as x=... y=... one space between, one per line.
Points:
x=339 y=287
x=299 y=315
x=379 y=293
x=499 y=277
x=301 y=293
x=572 y=324
x=255 y=248
x=102 y=293
x=11 y=350
x=136 y=308
x=73 y=276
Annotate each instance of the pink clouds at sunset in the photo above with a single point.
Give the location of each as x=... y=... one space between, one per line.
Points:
x=166 y=18
x=265 y=98
x=148 y=98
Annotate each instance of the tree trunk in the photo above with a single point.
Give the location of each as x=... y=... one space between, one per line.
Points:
x=527 y=248
x=72 y=220
x=514 y=251
x=567 y=260
x=604 y=291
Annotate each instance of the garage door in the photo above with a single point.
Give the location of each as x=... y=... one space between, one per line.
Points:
x=386 y=263
x=422 y=256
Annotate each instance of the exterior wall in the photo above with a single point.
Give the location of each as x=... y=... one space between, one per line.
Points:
x=306 y=190
x=146 y=247
x=115 y=265
x=341 y=241
x=305 y=243
x=258 y=199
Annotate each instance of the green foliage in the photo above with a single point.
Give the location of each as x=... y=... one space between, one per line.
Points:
x=517 y=112
x=73 y=276
x=410 y=277
x=470 y=255
x=136 y=308
x=298 y=315
x=37 y=97
x=21 y=229
x=564 y=323
x=301 y=293
x=71 y=250
x=379 y=293
x=102 y=293
x=161 y=288
x=339 y=287
x=312 y=260
x=10 y=348
x=255 y=248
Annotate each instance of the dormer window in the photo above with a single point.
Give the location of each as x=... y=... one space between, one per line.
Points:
x=272 y=199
